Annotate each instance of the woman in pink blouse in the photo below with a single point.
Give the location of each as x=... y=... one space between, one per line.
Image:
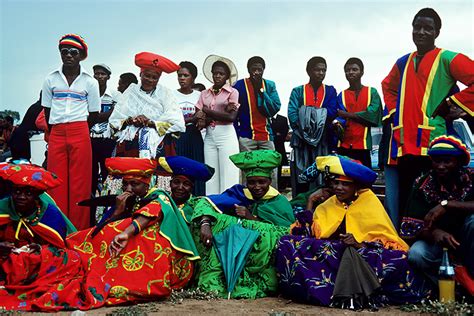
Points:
x=218 y=110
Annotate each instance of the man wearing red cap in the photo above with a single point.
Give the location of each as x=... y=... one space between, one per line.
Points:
x=147 y=111
x=71 y=97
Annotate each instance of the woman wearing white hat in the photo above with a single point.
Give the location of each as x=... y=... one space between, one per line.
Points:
x=218 y=110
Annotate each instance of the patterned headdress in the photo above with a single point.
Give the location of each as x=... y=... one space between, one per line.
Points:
x=76 y=41
x=140 y=169
x=29 y=175
x=449 y=146
x=257 y=163
x=347 y=168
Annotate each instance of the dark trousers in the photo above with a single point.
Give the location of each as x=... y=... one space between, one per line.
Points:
x=102 y=148
x=363 y=155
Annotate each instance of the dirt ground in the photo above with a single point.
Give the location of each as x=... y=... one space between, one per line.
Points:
x=265 y=306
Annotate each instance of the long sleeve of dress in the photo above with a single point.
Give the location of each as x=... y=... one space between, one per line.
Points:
x=462 y=70
x=390 y=90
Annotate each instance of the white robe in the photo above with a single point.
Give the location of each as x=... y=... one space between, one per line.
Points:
x=159 y=106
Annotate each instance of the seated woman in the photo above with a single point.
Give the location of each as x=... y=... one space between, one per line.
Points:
x=257 y=207
x=441 y=212
x=308 y=261
x=184 y=174
x=144 y=250
x=36 y=271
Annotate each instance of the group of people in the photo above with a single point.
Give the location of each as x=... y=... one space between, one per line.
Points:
x=179 y=158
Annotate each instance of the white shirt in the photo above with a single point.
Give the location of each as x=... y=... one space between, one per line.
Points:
x=70 y=103
x=187 y=102
x=108 y=100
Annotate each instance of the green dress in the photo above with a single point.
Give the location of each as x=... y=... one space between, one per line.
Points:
x=258 y=278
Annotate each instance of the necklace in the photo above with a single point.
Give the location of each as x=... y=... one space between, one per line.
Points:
x=35 y=219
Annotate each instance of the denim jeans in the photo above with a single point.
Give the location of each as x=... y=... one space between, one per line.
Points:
x=391 y=194
x=427 y=256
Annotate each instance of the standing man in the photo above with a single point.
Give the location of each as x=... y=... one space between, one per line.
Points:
x=362 y=110
x=418 y=101
x=101 y=141
x=313 y=132
x=70 y=98
x=259 y=101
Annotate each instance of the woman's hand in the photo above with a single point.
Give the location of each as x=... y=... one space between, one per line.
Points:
x=141 y=120
x=318 y=197
x=206 y=235
x=119 y=242
x=243 y=212
x=34 y=248
x=349 y=240
x=231 y=107
x=6 y=248
x=433 y=215
x=200 y=119
x=121 y=202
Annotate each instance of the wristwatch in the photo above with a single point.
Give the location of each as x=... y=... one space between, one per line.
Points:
x=443 y=203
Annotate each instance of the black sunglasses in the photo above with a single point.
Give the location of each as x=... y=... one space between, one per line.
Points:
x=73 y=51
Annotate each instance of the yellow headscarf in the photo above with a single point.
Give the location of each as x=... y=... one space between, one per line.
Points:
x=366 y=219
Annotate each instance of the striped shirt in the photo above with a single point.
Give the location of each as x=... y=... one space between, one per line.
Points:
x=70 y=103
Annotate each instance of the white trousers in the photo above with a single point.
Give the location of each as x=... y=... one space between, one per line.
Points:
x=220 y=143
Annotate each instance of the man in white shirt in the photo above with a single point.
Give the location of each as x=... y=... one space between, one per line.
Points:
x=71 y=98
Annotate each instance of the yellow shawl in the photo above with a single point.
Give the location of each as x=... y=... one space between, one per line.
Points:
x=366 y=219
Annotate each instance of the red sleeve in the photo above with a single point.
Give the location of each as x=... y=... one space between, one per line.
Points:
x=152 y=209
x=462 y=69
x=390 y=90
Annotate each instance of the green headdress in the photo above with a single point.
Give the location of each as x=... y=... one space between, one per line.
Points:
x=257 y=163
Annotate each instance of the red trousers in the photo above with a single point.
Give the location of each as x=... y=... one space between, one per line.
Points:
x=70 y=158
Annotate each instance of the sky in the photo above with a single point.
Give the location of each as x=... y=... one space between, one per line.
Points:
x=285 y=33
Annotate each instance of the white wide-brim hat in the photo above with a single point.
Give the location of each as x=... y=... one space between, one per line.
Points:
x=211 y=59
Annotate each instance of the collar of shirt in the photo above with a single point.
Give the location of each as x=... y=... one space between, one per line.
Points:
x=227 y=87
x=81 y=72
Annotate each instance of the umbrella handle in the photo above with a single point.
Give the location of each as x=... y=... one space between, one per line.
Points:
x=228 y=296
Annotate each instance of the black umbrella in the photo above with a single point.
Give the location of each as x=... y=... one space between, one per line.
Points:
x=356 y=283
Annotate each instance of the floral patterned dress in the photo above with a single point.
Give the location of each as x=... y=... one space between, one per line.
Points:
x=307 y=266
x=156 y=261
